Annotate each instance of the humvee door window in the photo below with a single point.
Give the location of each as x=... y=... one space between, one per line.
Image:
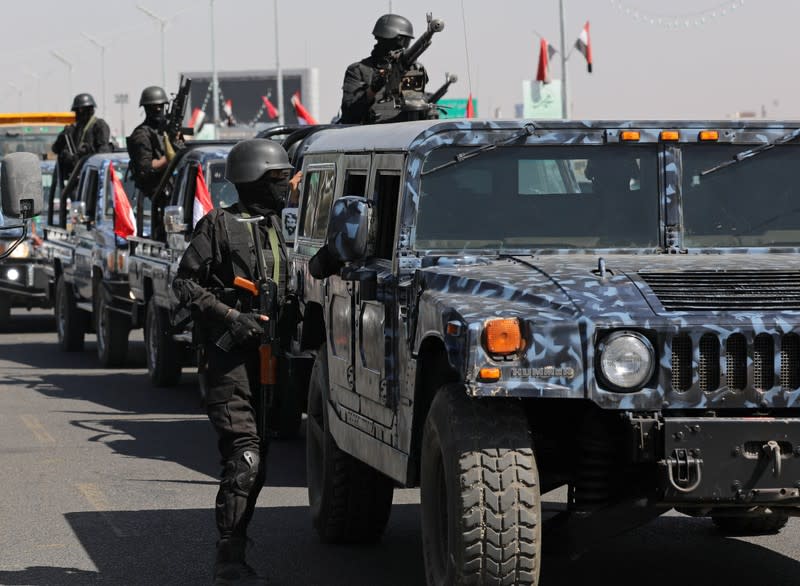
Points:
x=319 y=187
x=754 y=204
x=387 y=192
x=89 y=193
x=355 y=183
x=541 y=197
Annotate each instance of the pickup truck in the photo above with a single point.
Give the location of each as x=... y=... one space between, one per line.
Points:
x=88 y=262
x=154 y=261
x=23 y=280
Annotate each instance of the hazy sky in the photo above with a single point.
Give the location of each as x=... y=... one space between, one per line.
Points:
x=711 y=66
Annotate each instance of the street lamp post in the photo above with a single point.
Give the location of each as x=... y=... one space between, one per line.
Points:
x=19 y=93
x=214 y=79
x=102 y=48
x=121 y=99
x=64 y=60
x=163 y=24
x=38 y=79
x=278 y=71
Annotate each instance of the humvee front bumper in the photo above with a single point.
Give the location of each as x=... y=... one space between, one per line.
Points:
x=729 y=461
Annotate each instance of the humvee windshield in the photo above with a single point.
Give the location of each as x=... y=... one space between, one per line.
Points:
x=753 y=203
x=540 y=197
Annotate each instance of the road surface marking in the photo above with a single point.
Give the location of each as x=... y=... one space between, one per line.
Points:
x=37 y=429
x=92 y=493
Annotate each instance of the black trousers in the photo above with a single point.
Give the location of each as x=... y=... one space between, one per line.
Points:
x=232 y=395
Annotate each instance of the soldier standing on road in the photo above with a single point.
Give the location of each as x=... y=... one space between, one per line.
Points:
x=364 y=79
x=222 y=249
x=88 y=135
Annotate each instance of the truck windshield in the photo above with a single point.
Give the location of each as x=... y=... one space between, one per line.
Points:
x=223 y=192
x=754 y=204
x=539 y=197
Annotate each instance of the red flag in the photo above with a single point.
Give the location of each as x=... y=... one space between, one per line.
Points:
x=197 y=119
x=303 y=115
x=546 y=52
x=227 y=108
x=470 y=107
x=202 y=198
x=124 y=223
x=584 y=45
x=272 y=111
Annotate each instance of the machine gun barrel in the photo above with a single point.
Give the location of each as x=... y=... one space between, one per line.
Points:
x=410 y=55
x=177 y=110
x=438 y=94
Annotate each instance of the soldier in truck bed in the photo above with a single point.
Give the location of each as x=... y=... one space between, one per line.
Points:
x=220 y=250
x=87 y=136
x=364 y=79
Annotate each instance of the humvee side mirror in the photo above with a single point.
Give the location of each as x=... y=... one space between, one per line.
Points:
x=77 y=212
x=173 y=220
x=349 y=229
x=21 y=185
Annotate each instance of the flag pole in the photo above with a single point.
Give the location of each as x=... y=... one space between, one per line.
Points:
x=564 y=94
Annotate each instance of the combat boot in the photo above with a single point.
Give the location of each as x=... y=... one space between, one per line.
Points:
x=230 y=568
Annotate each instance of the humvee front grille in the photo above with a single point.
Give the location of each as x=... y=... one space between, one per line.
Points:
x=713 y=370
x=724 y=290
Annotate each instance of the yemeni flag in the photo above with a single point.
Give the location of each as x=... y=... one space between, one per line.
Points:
x=303 y=115
x=272 y=111
x=202 y=198
x=584 y=45
x=227 y=108
x=546 y=52
x=197 y=119
x=470 y=107
x=124 y=223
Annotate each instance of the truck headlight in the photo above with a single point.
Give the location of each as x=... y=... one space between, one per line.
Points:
x=626 y=359
x=23 y=250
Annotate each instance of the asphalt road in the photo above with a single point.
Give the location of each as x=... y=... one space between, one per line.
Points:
x=107 y=480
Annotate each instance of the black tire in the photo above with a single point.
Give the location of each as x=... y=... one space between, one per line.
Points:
x=350 y=502
x=286 y=414
x=763 y=524
x=479 y=489
x=162 y=352
x=112 y=330
x=71 y=322
x=5 y=311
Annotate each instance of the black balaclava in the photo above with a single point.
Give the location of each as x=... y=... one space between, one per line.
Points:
x=385 y=46
x=265 y=195
x=155 y=116
x=83 y=115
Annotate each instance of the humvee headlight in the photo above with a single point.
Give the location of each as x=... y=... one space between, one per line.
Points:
x=502 y=336
x=23 y=250
x=627 y=360
x=12 y=274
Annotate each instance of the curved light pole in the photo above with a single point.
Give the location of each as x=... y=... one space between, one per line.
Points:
x=69 y=65
x=163 y=24
x=102 y=48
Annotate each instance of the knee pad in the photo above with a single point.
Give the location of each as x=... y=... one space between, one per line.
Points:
x=241 y=472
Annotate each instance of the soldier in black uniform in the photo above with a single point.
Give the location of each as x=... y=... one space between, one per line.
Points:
x=363 y=80
x=222 y=249
x=87 y=136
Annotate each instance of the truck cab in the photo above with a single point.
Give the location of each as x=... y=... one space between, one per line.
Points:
x=497 y=309
x=88 y=262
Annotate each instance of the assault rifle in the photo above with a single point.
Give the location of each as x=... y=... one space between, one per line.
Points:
x=176 y=113
x=403 y=96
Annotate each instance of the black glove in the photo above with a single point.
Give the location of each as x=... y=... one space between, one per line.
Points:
x=242 y=326
x=378 y=81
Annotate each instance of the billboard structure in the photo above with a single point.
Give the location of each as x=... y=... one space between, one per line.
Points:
x=243 y=91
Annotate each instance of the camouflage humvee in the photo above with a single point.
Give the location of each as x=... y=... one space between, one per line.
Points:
x=504 y=308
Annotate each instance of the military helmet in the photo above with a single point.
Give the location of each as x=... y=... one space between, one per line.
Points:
x=390 y=26
x=83 y=101
x=250 y=159
x=153 y=95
